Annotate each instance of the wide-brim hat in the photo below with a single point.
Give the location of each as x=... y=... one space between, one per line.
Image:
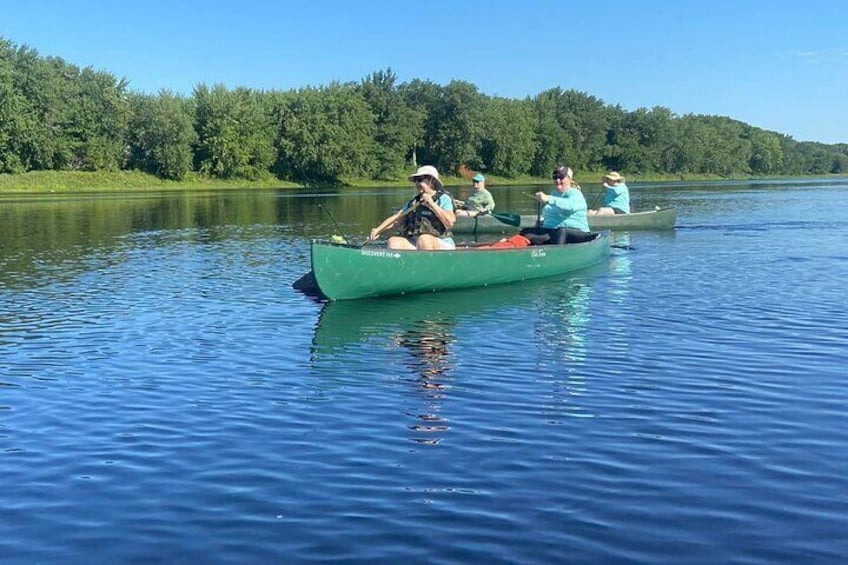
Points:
x=426 y=171
x=614 y=177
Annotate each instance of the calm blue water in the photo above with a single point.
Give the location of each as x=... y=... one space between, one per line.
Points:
x=166 y=396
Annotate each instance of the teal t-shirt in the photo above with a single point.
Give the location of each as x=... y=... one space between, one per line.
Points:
x=618 y=197
x=566 y=210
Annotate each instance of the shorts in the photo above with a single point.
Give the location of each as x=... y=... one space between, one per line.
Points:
x=445 y=243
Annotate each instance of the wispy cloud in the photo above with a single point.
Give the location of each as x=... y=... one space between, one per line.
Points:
x=820 y=56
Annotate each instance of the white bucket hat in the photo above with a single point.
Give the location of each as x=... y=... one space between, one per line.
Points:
x=426 y=171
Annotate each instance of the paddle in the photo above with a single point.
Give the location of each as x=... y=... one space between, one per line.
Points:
x=538 y=209
x=393 y=224
x=507 y=218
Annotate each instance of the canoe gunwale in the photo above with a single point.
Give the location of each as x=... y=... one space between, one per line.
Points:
x=662 y=219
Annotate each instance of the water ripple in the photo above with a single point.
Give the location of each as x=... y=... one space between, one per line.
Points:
x=164 y=392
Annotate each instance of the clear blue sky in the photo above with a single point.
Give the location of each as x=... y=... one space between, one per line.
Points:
x=777 y=64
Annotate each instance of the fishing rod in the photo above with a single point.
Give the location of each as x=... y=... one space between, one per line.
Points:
x=597 y=198
x=336 y=238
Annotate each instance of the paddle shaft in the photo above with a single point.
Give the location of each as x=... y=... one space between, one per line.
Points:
x=538 y=210
x=405 y=212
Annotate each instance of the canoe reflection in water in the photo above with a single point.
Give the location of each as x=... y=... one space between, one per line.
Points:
x=415 y=340
x=390 y=340
x=429 y=344
x=619 y=266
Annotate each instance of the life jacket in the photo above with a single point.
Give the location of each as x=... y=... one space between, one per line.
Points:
x=422 y=220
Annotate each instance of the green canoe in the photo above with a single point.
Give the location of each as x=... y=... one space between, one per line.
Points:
x=662 y=219
x=346 y=272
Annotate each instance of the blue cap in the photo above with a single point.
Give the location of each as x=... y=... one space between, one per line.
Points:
x=478 y=178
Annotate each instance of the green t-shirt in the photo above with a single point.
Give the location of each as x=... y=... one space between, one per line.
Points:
x=480 y=201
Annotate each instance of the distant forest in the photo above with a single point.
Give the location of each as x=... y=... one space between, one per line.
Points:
x=56 y=116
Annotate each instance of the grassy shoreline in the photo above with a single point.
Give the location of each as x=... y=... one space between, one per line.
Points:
x=69 y=182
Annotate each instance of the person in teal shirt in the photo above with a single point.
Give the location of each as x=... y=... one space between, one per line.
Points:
x=616 y=197
x=564 y=217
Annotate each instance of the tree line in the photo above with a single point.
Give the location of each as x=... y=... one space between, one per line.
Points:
x=56 y=116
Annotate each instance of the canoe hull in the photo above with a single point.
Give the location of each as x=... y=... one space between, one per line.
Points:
x=346 y=272
x=663 y=219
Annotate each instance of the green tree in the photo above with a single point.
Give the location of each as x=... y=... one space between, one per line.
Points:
x=99 y=116
x=396 y=125
x=234 y=132
x=457 y=122
x=423 y=97
x=54 y=115
x=840 y=163
x=509 y=141
x=643 y=141
x=52 y=90
x=10 y=109
x=42 y=93
x=554 y=145
x=818 y=159
x=162 y=135
x=585 y=120
x=766 y=152
x=714 y=144
x=323 y=134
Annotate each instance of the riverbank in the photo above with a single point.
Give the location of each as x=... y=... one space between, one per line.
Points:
x=46 y=182
x=38 y=182
x=41 y=182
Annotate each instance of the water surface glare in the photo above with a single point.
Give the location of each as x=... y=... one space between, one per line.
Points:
x=165 y=395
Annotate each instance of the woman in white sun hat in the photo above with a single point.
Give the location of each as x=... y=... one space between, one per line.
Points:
x=616 y=197
x=426 y=220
